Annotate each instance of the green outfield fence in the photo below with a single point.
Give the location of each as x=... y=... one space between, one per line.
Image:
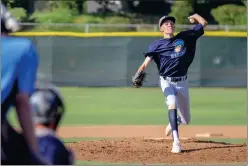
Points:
x=110 y=59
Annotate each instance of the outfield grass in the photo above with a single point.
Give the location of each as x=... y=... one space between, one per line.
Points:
x=143 y=106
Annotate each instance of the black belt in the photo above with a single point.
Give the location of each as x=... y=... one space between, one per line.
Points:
x=175 y=79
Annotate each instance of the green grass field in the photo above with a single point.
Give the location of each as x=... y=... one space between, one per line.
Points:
x=146 y=106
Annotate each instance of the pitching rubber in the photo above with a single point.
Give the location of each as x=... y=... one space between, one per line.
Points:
x=209 y=134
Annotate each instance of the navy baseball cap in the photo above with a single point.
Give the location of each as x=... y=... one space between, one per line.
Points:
x=165 y=18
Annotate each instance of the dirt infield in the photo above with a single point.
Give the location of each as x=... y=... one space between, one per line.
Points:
x=131 y=147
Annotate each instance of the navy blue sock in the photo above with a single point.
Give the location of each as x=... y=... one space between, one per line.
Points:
x=173 y=119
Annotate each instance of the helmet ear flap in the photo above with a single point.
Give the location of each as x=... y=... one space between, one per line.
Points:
x=60 y=108
x=52 y=120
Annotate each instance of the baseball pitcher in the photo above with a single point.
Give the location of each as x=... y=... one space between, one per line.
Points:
x=48 y=109
x=173 y=55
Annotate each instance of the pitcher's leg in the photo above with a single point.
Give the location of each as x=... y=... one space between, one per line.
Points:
x=183 y=104
x=170 y=97
x=172 y=114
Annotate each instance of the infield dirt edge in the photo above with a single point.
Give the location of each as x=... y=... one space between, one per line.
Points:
x=150 y=131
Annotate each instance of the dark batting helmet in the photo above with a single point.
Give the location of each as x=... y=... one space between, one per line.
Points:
x=47 y=106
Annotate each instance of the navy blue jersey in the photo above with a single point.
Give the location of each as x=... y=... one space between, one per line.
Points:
x=53 y=150
x=19 y=63
x=173 y=56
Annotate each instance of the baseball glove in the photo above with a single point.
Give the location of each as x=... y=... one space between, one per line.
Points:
x=138 y=79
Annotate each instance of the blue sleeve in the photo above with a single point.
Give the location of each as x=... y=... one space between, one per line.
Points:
x=151 y=51
x=196 y=32
x=27 y=70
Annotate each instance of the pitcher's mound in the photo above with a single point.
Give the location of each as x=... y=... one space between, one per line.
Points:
x=153 y=151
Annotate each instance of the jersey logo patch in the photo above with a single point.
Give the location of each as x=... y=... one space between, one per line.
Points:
x=179 y=49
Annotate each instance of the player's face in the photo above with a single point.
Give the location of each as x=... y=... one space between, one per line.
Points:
x=168 y=27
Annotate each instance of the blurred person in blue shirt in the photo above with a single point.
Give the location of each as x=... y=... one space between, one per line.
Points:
x=19 y=63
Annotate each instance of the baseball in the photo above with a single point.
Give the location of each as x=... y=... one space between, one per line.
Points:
x=191 y=20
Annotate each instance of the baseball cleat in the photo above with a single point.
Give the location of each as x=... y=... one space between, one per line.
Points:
x=168 y=130
x=176 y=147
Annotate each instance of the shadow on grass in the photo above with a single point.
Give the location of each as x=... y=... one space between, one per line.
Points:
x=218 y=147
x=223 y=141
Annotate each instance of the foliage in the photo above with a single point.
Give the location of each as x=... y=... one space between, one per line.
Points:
x=14 y=3
x=69 y=5
x=181 y=11
x=7 y=3
x=96 y=19
x=85 y=6
x=89 y=19
x=244 y=2
x=19 y=13
x=17 y=4
x=54 y=15
x=58 y=16
x=230 y=15
x=117 y=20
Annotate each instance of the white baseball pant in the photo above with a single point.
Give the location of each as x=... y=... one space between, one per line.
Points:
x=177 y=94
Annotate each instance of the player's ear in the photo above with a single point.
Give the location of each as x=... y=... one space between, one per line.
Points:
x=161 y=28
